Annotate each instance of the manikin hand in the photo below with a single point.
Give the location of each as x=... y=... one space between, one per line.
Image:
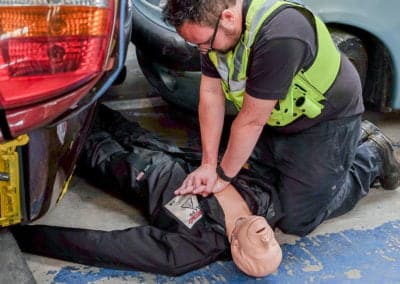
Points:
x=202 y=181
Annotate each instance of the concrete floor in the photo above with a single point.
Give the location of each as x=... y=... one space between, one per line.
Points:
x=362 y=246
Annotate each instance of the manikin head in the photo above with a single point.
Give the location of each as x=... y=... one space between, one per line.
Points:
x=253 y=246
x=207 y=24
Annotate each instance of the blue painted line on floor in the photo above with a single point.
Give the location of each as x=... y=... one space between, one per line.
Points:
x=350 y=256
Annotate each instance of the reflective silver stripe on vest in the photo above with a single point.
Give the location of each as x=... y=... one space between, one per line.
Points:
x=236 y=86
x=252 y=34
x=223 y=69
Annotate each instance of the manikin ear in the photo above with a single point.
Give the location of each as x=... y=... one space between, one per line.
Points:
x=235 y=243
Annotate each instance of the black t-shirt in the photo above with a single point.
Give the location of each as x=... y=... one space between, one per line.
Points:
x=285 y=44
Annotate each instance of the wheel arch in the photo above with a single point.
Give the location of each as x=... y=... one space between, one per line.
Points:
x=376 y=25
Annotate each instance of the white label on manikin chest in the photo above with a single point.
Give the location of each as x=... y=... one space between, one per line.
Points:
x=186 y=208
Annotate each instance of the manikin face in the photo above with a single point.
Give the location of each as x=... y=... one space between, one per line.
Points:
x=254 y=247
x=221 y=37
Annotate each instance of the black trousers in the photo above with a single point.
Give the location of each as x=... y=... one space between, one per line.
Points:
x=319 y=173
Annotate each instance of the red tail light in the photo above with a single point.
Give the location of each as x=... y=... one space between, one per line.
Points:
x=51 y=49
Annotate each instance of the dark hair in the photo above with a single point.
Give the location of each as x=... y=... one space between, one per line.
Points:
x=177 y=12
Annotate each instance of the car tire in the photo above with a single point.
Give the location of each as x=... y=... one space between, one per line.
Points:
x=354 y=48
x=168 y=85
x=373 y=63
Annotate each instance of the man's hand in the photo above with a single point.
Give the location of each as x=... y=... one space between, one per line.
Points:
x=203 y=178
x=219 y=186
x=202 y=181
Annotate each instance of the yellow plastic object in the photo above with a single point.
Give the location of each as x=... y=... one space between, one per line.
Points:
x=10 y=195
x=65 y=188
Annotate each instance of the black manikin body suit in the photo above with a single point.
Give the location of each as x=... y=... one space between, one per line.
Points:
x=184 y=232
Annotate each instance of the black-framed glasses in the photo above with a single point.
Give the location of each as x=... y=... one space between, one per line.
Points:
x=211 y=40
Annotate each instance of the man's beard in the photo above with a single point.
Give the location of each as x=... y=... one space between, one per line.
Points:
x=232 y=36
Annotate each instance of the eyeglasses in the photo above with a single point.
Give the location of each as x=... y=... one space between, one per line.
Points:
x=211 y=40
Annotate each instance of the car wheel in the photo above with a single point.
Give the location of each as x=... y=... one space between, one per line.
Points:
x=355 y=50
x=179 y=88
x=373 y=63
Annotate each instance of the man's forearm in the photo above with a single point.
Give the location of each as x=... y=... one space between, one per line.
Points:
x=211 y=117
x=210 y=135
x=245 y=131
x=242 y=141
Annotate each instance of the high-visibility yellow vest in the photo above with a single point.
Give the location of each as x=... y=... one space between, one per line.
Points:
x=308 y=87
